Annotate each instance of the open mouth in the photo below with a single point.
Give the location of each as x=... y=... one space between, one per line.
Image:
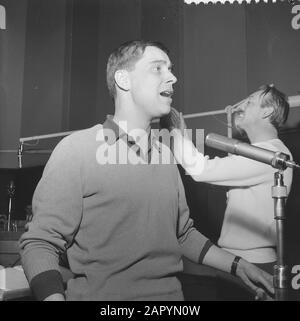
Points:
x=167 y=93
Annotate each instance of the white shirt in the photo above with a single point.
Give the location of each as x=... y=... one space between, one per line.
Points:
x=249 y=228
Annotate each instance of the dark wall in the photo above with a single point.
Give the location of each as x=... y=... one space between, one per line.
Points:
x=214 y=57
x=43 y=67
x=84 y=56
x=273 y=47
x=12 y=48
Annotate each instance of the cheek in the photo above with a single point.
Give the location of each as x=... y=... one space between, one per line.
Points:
x=146 y=86
x=252 y=115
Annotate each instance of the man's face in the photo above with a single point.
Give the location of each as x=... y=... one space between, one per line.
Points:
x=249 y=113
x=152 y=83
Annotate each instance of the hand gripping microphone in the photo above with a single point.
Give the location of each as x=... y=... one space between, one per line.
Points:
x=276 y=159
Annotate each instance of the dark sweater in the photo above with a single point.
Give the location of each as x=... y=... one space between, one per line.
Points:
x=125 y=227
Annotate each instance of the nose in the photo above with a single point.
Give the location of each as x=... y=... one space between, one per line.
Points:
x=171 y=78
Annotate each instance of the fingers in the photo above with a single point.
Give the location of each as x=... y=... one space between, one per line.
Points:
x=266 y=279
x=253 y=276
x=250 y=284
x=176 y=119
x=175 y=115
x=174 y=111
x=261 y=295
x=173 y=120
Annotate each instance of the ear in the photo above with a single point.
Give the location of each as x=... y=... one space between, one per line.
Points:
x=267 y=111
x=122 y=79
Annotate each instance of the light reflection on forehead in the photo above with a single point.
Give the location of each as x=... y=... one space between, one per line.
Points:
x=162 y=62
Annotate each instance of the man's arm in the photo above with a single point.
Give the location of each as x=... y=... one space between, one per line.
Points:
x=227 y=171
x=197 y=248
x=57 y=209
x=194 y=245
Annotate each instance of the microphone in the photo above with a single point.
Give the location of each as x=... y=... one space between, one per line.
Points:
x=277 y=160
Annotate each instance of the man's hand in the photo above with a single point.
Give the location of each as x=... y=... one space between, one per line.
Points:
x=173 y=120
x=257 y=279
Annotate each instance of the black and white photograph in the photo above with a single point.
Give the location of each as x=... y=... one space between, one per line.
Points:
x=149 y=151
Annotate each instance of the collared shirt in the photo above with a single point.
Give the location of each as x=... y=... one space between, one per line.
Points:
x=143 y=146
x=249 y=228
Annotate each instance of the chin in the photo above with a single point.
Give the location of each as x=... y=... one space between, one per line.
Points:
x=166 y=110
x=161 y=111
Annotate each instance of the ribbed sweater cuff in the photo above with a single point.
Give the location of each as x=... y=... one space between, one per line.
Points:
x=47 y=283
x=206 y=247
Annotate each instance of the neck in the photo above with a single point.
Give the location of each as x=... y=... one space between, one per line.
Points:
x=264 y=133
x=134 y=120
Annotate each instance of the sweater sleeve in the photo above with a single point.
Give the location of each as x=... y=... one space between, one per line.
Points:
x=57 y=211
x=194 y=245
x=227 y=171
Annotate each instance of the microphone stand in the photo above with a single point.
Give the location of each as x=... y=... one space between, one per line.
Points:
x=11 y=192
x=281 y=274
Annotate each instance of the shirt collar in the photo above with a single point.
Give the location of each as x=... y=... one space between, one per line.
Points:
x=119 y=133
x=110 y=125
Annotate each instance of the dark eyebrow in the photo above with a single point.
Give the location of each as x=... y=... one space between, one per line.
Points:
x=161 y=61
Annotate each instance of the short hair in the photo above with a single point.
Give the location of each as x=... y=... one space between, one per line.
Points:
x=125 y=57
x=271 y=96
